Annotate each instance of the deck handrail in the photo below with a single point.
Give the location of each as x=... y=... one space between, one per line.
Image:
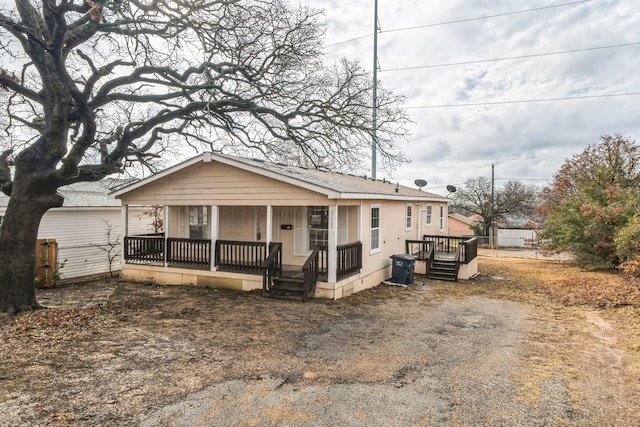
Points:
x=310 y=270
x=470 y=250
x=144 y=249
x=349 y=259
x=448 y=244
x=189 y=251
x=422 y=251
x=272 y=266
x=245 y=257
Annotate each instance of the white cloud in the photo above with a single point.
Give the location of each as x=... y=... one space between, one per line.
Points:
x=527 y=141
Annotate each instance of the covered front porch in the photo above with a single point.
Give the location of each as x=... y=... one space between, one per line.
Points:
x=251 y=247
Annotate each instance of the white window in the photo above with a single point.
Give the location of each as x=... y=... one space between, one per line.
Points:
x=441 y=218
x=409 y=217
x=375 y=228
x=429 y=209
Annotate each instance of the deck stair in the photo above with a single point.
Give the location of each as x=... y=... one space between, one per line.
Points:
x=287 y=288
x=288 y=285
x=443 y=270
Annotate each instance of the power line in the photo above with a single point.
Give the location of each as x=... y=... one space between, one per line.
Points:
x=350 y=40
x=460 y=21
x=522 y=101
x=486 y=17
x=535 y=55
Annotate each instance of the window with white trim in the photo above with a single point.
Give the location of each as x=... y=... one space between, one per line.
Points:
x=429 y=210
x=409 y=218
x=441 y=217
x=375 y=228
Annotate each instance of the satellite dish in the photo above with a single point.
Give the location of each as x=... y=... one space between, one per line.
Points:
x=420 y=183
x=451 y=188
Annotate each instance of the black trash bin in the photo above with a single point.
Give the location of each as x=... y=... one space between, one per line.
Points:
x=402 y=268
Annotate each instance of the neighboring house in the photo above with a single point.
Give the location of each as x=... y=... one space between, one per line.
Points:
x=84 y=227
x=460 y=225
x=248 y=224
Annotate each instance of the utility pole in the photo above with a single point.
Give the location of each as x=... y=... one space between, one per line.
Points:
x=374 y=141
x=491 y=233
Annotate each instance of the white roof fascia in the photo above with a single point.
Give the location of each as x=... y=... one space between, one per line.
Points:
x=378 y=196
x=331 y=194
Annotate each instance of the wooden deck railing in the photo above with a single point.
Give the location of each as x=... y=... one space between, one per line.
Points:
x=349 y=259
x=144 y=249
x=311 y=272
x=246 y=257
x=272 y=266
x=230 y=255
x=419 y=248
x=190 y=252
x=449 y=245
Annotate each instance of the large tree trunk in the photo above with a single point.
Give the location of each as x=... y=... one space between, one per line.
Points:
x=18 y=238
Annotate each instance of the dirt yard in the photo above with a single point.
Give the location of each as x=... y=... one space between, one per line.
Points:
x=528 y=343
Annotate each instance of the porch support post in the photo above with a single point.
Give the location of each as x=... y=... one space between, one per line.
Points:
x=269 y=225
x=332 y=245
x=215 y=231
x=165 y=227
x=125 y=232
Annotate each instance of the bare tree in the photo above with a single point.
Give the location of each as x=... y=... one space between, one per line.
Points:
x=99 y=86
x=110 y=246
x=511 y=200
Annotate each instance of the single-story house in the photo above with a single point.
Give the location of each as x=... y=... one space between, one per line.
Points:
x=250 y=224
x=87 y=224
x=460 y=225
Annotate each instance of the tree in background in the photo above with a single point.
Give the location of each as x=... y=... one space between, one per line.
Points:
x=593 y=198
x=95 y=87
x=512 y=201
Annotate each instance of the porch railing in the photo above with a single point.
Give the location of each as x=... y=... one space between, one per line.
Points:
x=230 y=255
x=311 y=272
x=423 y=250
x=449 y=245
x=144 y=249
x=272 y=266
x=349 y=259
x=246 y=257
x=419 y=248
x=195 y=252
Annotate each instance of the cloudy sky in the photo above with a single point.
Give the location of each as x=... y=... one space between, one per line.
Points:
x=474 y=74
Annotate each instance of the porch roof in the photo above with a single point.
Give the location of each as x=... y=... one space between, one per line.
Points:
x=334 y=185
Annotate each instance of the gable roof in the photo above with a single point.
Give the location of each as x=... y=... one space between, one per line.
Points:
x=334 y=185
x=465 y=219
x=84 y=194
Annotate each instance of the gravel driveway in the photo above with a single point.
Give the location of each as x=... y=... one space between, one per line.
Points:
x=402 y=364
x=498 y=350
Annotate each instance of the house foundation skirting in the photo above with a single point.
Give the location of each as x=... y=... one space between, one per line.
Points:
x=184 y=276
x=351 y=284
x=244 y=282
